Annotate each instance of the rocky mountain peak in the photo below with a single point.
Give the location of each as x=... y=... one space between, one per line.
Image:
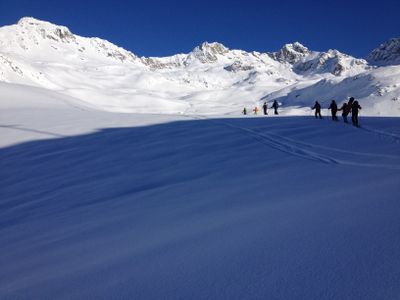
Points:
x=216 y=48
x=32 y=26
x=291 y=53
x=297 y=47
x=208 y=52
x=44 y=37
x=387 y=53
x=332 y=61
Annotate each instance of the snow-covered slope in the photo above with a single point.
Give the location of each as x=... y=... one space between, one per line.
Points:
x=211 y=79
x=379 y=89
x=99 y=205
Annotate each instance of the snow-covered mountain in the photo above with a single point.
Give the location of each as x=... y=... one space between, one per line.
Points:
x=211 y=79
x=386 y=54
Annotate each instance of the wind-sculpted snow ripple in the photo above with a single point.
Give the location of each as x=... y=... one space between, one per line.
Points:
x=229 y=208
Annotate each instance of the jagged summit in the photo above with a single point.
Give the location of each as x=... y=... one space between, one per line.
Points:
x=332 y=61
x=387 y=53
x=307 y=62
x=205 y=53
x=208 y=52
x=47 y=29
x=291 y=53
x=214 y=47
x=46 y=40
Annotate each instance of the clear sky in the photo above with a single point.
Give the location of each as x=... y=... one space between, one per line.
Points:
x=161 y=28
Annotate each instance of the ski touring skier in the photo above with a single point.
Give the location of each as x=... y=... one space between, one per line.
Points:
x=350 y=103
x=354 y=113
x=317 y=108
x=345 y=111
x=275 y=106
x=265 y=108
x=333 y=107
x=244 y=111
x=255 y=110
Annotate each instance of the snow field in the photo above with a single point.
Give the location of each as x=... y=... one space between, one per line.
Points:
x=106 y=205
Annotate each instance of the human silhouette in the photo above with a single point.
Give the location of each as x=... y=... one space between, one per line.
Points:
x=345 y=111
x=275 y=106
x=333 y=107
x=265 y=108
x=317 y=108
x=354 y=113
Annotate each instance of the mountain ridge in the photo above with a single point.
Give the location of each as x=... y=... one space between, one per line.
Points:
x=40 y=53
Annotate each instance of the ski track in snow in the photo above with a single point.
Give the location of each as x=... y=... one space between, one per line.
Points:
x=394 y=137
x=298 y=149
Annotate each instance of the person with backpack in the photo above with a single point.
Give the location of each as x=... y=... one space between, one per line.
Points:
x=265 y=107
x=275 y=106
x=345 y=111
x=333 y=107
x=350 y=103
x=354 y=113
x=317 y=108
x=244 y=111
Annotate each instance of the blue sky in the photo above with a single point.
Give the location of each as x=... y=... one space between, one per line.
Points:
x=160 y=28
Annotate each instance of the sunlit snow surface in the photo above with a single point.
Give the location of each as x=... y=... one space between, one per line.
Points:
x=99 y=205
x=210 y=80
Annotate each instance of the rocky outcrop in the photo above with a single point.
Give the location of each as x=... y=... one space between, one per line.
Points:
x=291 y=53
x=386 y=54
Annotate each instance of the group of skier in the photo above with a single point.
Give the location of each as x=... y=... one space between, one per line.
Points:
x=352 y=106
x=275 y=106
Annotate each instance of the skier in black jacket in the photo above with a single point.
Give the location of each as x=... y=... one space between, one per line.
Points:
x=333 y=107
x=354 y=113
x=275 y=106
x=265 y=107
x=317 y=108
x=345 y=111
x=350 y=103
